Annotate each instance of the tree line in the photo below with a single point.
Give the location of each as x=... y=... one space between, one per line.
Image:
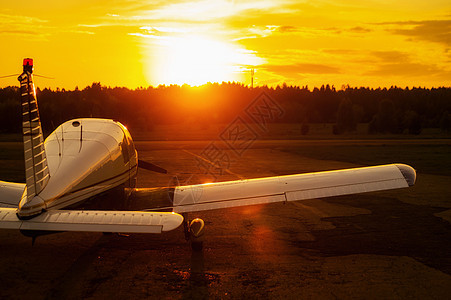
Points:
x=385 y=110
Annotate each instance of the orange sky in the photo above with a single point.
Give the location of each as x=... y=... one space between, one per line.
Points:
x=136 y=43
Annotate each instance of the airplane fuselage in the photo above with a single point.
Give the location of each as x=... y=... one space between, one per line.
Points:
x=85 y=157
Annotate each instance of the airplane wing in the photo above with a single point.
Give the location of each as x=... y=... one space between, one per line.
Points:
x=94 y=221
x=291 y=187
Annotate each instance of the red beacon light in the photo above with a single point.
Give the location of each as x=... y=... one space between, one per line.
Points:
x=28 y=65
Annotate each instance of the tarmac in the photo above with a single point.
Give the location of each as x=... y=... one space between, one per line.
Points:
x=380 y=245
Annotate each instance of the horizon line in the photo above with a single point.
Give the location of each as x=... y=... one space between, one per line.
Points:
x=281 y=86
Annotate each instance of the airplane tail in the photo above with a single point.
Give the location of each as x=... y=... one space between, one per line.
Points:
x=36 y=169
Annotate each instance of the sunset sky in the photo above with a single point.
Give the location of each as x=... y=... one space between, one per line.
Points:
x=136 y=43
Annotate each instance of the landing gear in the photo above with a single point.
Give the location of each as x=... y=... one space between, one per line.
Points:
x=194 y=232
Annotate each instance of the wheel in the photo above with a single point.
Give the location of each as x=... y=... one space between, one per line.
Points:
x=197 y=245
x=196 y=230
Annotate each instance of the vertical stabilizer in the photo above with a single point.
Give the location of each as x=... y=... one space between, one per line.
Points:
x=36 y=170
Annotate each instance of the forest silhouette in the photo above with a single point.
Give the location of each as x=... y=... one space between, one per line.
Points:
x=385 y=110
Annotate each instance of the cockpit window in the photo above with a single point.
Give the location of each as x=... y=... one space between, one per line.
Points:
x=131 y=146
x=124 y=150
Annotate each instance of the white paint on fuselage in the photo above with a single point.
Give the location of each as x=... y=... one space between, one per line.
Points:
x=85 y=157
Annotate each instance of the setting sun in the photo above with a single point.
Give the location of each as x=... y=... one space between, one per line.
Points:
x=196 y=60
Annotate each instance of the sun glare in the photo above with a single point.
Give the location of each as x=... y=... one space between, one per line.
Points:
x=196 y=60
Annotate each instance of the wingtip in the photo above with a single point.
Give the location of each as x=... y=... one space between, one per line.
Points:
x=408 y=172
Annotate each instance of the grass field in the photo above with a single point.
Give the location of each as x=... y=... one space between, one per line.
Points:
x=425 y=157
x=272 y=131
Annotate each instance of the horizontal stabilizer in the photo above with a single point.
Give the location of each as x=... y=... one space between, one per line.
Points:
x=94 y=221
x=11 y=193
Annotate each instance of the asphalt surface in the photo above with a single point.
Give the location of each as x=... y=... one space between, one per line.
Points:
x=374 y=246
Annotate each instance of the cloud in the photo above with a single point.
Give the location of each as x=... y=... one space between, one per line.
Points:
x=16 y=19
x=301 y=68
x=285 y=29
x=263 y=31
x=95 y=25
x=359 y=29
x=409 y=69
x=391 y=56
x=80 y=32
x=19 y=32
x=341 y=52
x=201 y=10
x=438 y=31
x=165 y=33
x=201 y=17
x=23 y=26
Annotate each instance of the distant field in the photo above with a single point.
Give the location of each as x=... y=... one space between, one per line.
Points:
x=12 y=162
x=428 y=152
x=272 y=131
x=183 y=132
x=424 y=157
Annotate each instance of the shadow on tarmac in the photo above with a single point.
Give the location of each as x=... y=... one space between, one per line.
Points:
x=393 y=228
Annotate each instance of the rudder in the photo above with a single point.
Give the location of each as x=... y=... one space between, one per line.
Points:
x=36 y=169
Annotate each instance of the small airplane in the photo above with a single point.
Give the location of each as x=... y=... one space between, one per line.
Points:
x=87 y=157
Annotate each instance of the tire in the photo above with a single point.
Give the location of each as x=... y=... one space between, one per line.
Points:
x=197 y=246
